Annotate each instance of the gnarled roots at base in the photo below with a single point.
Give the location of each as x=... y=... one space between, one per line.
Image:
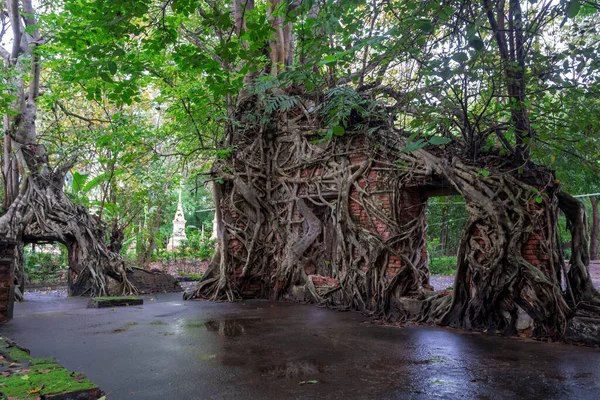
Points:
x=43 y=213
x=292 y=211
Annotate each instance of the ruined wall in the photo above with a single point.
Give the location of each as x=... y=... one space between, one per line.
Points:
x=6 y=280
x=379 y=207
x=150 y=281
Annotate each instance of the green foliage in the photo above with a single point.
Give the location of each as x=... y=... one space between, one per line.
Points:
x=341 y=103
x=191 y=275
x=446 y=217
x=45 y=266
x=443 y=265
x=196 y=246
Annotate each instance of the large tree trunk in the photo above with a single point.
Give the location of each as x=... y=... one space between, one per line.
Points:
x=595 y=229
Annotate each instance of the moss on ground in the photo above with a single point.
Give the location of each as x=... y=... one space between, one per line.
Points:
x=24 y=377
x=125 y=327
x=103 y=298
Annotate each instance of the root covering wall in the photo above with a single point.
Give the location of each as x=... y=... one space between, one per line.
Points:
x=342 y=223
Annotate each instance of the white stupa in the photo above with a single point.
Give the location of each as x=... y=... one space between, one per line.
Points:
x=178 y=227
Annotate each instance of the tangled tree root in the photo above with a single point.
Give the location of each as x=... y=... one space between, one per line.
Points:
x=291 y=210
x=43 y=213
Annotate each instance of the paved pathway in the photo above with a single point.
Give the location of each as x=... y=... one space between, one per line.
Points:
x=171 y=349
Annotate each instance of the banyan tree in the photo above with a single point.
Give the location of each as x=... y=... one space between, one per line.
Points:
x=35 y=206
x=342 y=223
x=339 y=120
x=323 y=197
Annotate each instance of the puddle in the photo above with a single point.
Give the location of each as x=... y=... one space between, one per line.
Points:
x=293 y=369
x=123 y=328
x=229 y=327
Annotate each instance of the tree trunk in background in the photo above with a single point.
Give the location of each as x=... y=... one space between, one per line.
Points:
x=595 y=227
x=444 y=230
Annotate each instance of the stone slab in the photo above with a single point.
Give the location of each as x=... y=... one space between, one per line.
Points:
x=123 y=301
x=584 y=330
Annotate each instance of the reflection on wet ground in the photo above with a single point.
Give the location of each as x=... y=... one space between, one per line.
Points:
x=231 y=327
x=169 y=349
x=293 y=369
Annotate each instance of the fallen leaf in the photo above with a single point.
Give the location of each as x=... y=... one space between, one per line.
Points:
x=25 y=377
x=311 y=382
x=44 y=371
x=5 y=373
x=36 y=390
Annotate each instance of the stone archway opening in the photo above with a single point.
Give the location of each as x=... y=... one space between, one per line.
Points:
x=45 y=264
x=446 y=219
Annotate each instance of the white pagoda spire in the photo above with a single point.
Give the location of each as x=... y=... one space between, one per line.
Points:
x=178 y=227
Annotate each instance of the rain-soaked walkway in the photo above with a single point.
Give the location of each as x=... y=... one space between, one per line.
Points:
x=171 y=349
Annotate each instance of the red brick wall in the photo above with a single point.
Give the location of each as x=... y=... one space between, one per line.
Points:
x=6 y=280
x=377 y=185
x=534 y=251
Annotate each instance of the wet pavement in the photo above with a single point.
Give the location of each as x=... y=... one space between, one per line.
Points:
x=174 y=349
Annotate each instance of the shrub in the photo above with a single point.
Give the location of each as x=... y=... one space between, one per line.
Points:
x=443 y=265
x=191 y=275
x=42 y=266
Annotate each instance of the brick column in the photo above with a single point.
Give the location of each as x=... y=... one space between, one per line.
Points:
x=7 y=287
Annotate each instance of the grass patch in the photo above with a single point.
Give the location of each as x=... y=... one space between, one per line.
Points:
x=17 y=354
x=443 y=265
x=24 y=377
x=189 y=324
x=42 y=379
x=192 y=276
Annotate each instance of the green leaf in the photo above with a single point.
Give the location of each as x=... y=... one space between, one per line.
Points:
x=446 y=12
x=105 y=77
x=573 y=8
x=98 y=180
x=414 y=146
x=112 y=67
x=476 y=43
x=484 y=172
x=338 y=130
x=425 y=25
x=30 y=29
x=460 y=57
x=439 y=140
x=328 y=60
x=538 y=199
x=78 y=181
